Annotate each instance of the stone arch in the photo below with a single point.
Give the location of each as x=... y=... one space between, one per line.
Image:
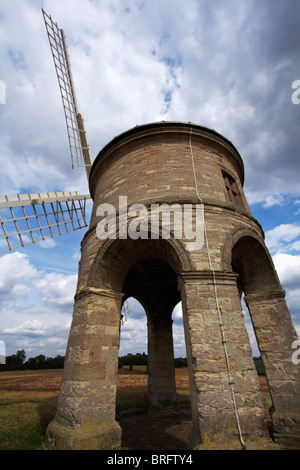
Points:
x=271 y=321
x=148 y=270
x=128 y=251
x=139 y=299
x=252 y=261
x=232 y=239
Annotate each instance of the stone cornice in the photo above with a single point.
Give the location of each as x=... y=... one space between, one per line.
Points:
x=109 y=293
x=152 y=130
x=265 y=296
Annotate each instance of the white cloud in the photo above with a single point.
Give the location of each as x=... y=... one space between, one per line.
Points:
x=15 y=267
x=57 y=288
x=37 y=337
x=76 y=255
x=287 y=264
x=273 y=200
x=20 y=291
x=29 y=328
x=48 y=243
x=295 y=246
x=288 y=268
x=35 y=307
x=134 y=336
x=177 y=312
x=281 y=236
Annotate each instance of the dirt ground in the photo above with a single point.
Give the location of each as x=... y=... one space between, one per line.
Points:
x=169 y=431
x=139 y=430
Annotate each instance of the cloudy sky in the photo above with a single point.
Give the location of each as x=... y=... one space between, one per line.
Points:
x=225 y=64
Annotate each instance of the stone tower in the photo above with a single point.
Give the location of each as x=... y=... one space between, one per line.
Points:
x=177 y=164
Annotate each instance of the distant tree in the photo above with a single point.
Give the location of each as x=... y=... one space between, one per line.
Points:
x=31 y=363
x=21 y=356
x=55 y=363
x=180 y=362
x=43 y=362
x=16 y=359
x=142 y=359
x=133 y=360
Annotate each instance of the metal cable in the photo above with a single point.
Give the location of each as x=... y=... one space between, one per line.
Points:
x=230 y=381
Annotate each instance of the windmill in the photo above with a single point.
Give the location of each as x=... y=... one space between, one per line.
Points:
x=31 y=218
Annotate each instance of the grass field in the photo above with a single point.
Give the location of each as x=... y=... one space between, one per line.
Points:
x=24 y=417
x=28 y=401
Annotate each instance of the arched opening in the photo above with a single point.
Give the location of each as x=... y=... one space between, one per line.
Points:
x=254 y=266
x=144 y=428
x=178 y=332
x=259 y=365
x=133 y=331
x=153 y=281
x=147 y=271
x=256 y=279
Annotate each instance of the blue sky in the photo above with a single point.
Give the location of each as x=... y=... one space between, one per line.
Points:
x=226 y=65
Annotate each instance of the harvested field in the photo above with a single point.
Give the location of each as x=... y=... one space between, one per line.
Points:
x=49 y=380
x=138 y=380
x=31 y=380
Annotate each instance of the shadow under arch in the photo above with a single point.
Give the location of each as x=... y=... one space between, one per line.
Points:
x=117 y=256
x=149 y=271
x=233 y=238
x=251 y=260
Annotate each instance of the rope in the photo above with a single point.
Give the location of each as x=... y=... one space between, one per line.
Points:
x=219 y=310
x=124 y=312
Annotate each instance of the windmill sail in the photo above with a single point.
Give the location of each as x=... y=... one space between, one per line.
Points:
x=79 y=148
x=30 y=218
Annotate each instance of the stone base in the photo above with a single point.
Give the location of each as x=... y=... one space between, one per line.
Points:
x=90 y=436
x=251 y=443
x=287 y=429
x=288 y=441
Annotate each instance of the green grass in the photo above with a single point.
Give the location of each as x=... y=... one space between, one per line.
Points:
x=136 y=399
x=260 y=366
x=24 y=417
x=130 y=399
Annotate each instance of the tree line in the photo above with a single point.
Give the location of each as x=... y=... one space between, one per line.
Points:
x=142 y=360
x=18 y=361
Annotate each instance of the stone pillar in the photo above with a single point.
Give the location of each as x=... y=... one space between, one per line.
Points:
x=161 y=368
x=275 y=335
x=214 y=417
x=85 y=417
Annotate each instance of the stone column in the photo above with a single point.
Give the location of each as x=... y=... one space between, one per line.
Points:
x=275 y=335
x=214 y=414
x=85 y=417
x=161 y=368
